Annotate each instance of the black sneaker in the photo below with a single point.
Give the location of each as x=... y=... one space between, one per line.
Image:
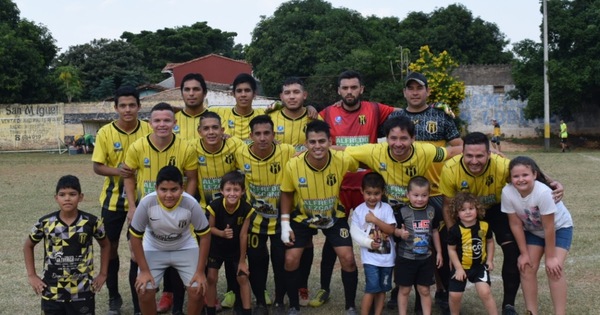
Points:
x=509 y=310
x=114 y=305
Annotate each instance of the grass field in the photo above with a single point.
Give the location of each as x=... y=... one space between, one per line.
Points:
x=27 y=183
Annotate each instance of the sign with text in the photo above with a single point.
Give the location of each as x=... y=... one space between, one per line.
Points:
x=31 y=127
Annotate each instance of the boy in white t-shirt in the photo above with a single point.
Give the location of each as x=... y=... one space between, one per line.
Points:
x=369 y=222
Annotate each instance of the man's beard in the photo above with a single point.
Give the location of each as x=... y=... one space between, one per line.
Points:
x=350 y=104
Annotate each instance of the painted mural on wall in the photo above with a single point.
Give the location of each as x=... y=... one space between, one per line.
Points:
x=30 y=127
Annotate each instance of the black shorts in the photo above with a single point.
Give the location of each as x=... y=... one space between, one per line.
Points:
x=563 y=140
x=113 y=223
x=215 y=262
x=85 y=307
x=496 y=140
x=478 y=273
x=498 y=222
x=409 y=272
x=337 y=235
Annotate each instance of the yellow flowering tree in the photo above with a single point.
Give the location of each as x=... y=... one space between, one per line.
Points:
x=438 y=70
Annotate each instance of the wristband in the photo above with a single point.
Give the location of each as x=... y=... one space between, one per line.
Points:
x=285 y=216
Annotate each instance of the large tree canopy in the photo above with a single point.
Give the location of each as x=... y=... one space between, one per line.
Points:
x=26 y=51
x=313 y=40
x=181 y=44
x=573 y=67
x=105 y=65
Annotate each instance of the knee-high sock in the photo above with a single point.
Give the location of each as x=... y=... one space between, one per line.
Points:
x=258 y=265
x=327 y=262
x=112 y=279
x=511 y=278
x=133 y=272
x=305 y=265
x=350 y=282
x=178 y=290
x=291 y=281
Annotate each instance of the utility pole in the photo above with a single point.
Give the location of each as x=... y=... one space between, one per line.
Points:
x=546 y=85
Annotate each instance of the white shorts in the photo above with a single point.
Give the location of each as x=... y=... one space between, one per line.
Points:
x=185 y=261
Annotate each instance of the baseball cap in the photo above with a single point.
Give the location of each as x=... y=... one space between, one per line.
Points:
x=417 y=77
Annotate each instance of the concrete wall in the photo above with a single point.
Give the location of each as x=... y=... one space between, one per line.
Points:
x=31 y=127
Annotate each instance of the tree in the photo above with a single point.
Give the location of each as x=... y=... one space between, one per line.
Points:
x=180 y=44
x=573 y=67
x=69 y=82
x=26 y=51
x=102 y=60
x=438 y=70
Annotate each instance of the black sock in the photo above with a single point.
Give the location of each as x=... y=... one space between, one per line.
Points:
x=133 y=272
x=178 y=290
x=246 y=311
x=327 y=262
x=511 y=278
x=112 y=279
x=292 y=288
x=210 y=310
x=350 y=282
x=305 y=265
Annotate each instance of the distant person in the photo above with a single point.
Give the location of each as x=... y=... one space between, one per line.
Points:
x=229 y=219
x=68 y=285
x=370 y=221
x=193 y=92
x=540 y=227
x=112 y=142
x=496 y=136
x=471 y=251
x=564 y=136
x=162 y=237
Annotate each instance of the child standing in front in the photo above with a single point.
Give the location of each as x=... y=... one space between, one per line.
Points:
x=229 y=218
x=68 y=285
x=471 y=252
x=419 y=229
x=541 y=227
x=369 y=222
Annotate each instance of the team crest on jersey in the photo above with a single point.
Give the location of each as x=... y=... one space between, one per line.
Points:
x=338 y=120
x=410 y=170
x=489 y=180
x=280 y=129
x=302 y=182
x=331 y=179
x=362 y=119
x=146 y=162
x=344 y=233
x=431 y=126
x=118 y=146
x=230 y=123
x=176 y=129
x=382 y=166
x=202 y=160
x=83 y=238
x=229 y=158
x=304 y=128
x=172 y=161
x=182 y=224
x=275 y=167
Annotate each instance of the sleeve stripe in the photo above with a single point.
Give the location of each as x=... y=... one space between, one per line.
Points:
x=135 y=233
x=203 y=231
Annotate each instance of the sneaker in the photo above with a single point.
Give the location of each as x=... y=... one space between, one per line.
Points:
x=228 y=300
x=268 y=298
x=303 y=296
x=178 y=313
x=441 y=299
x=320 y=299
x=278 y=309
x=509 y=310
x=293 y=311
x=260 y=310
x=351 y=311
x=165 y=303
x=114 y=305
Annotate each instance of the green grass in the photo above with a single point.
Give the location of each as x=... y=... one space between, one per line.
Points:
x=27 y=184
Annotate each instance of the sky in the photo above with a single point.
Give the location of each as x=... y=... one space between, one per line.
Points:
x=75 y=22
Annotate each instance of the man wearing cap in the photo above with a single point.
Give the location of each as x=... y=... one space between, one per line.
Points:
x=432 y=125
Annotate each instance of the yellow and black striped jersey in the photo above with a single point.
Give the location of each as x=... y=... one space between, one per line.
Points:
x=111 y=146
x=263 y=180
x=397 y=173
x=316 y=191
x=68 y=255
x=470 y=242
x=487 y=186
x=235 y=124
x=147 y=160
x=187 y=125
x=291 y=130
x=213 y=165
